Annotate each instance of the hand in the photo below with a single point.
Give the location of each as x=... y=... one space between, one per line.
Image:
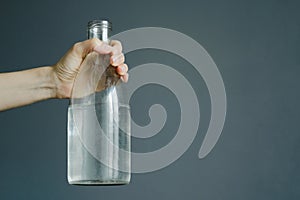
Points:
x=68 y=66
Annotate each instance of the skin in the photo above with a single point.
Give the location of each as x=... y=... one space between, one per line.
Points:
x=46 y=82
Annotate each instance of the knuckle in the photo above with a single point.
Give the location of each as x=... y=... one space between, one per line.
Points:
x=76 y=47
x=118 y=44
x=122 y=58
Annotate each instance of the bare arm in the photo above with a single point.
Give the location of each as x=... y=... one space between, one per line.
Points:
x=29 y=86
x=25 y=87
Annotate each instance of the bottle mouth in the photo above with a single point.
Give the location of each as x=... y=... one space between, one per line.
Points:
x=99 y=24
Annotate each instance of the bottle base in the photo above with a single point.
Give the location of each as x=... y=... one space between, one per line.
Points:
x=98 y=183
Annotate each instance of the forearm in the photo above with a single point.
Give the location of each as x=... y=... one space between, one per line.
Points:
x=26 y=87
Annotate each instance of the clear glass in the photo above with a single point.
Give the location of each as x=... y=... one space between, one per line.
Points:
x=98 y=126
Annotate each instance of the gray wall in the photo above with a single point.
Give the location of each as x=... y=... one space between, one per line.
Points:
x=256 y=47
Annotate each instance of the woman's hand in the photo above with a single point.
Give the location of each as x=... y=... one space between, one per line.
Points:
x=68 y=66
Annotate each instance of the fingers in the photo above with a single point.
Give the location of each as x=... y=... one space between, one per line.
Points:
x=117 y=58
x=81 y=49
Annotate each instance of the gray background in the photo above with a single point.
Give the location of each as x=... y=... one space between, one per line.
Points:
x=256 y=47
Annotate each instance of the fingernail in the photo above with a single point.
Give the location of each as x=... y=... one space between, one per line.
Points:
x=123 y=68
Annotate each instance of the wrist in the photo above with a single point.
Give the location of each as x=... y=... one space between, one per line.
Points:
x=47 y=82
x=62 y=87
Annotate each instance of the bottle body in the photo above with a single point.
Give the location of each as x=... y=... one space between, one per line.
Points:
x=98 y=125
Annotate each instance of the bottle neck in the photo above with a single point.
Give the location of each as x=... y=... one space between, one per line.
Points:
x=99 y=29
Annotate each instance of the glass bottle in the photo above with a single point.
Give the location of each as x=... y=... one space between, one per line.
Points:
x=98 y=120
